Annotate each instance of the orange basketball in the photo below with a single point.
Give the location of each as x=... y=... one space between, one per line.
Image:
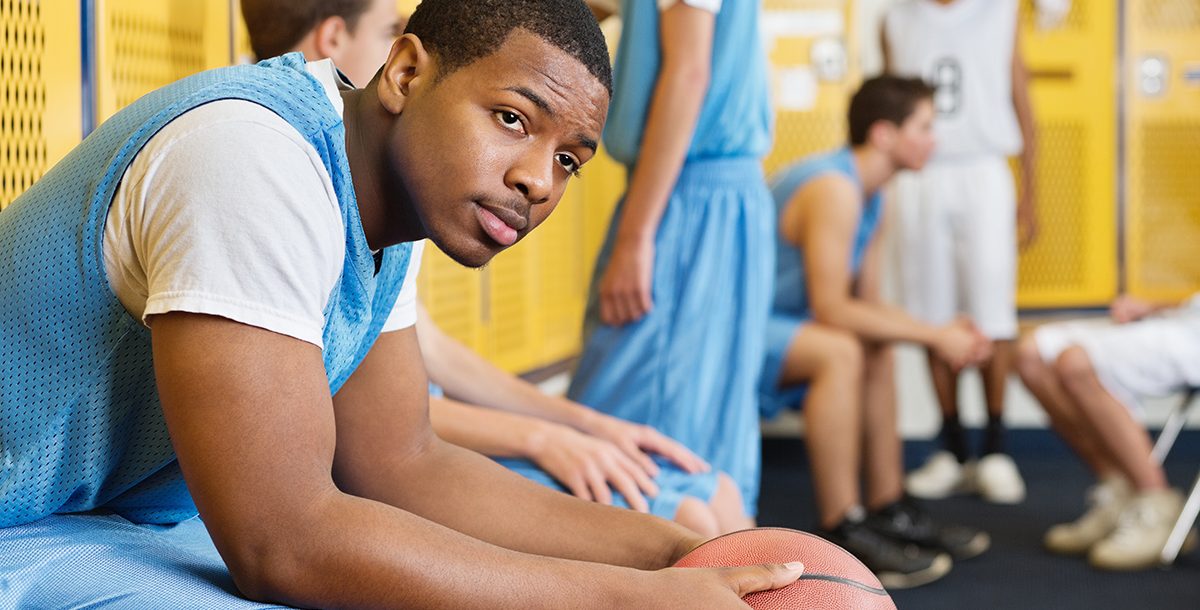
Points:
x=833 y=578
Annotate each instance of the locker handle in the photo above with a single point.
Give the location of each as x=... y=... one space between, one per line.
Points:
x=1052 y=74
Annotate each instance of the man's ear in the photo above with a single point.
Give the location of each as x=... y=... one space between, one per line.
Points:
x=409 y=67
x=327 y=36
x=882 y=135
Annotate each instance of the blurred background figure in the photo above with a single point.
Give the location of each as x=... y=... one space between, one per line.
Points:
x=960 y=217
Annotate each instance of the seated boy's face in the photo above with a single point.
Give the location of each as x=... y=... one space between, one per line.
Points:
x=487 y=152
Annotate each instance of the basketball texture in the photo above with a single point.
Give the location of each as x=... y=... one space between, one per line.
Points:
x=833 y=578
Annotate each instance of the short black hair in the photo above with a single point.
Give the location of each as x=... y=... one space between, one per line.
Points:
x=459 y=32
x=884 y=98
x=276 y=26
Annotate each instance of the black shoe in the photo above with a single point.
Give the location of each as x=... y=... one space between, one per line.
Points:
x=898 y=565
x=905 y=521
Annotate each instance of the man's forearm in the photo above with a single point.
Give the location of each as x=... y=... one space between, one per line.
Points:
x=358 y=553
x=470 y=493
x=468 y=377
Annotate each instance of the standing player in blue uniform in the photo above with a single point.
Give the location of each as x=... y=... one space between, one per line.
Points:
x=830 y=336
x=673 y=333
x=215 y=267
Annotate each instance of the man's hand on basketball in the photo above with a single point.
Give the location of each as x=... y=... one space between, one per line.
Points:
x=638 y=441
x=591 y=468
x=718 y=588
x=625 y=294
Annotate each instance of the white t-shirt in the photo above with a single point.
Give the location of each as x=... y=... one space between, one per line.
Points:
x=229 y=211
x=965 y=49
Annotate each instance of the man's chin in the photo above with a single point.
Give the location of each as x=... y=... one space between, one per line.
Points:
x=466 y=252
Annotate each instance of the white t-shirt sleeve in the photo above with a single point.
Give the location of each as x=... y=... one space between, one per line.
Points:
x=712 y=6
x=229 y=212
x=404 y=313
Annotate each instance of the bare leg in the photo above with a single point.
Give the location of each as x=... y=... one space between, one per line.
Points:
x=1066 y=417
x=726 y=505
x=995 y=375
x=830 y=361
x=882 y=451
x=1125 y=440
x=698 y=517
x=945 y=385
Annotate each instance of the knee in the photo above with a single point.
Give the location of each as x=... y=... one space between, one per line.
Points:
x=698 y=517
x=1029 y=359
x=843 y=354
x=1073 y=366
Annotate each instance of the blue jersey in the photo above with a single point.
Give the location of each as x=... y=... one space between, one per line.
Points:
x=81 y=426
x=791 y=291
x=735 y=120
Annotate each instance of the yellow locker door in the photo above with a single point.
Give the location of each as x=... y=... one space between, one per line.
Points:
x=41 y=103
x=142 y=46
x=562 y=279
x=453 y=295
x=1162 y=140
x=1072 y=261
x=511 y=284
x=813 y=73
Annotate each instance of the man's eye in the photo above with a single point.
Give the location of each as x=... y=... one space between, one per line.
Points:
x=569 y=163
x=510 y=120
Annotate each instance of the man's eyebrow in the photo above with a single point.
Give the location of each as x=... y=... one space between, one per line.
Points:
x=537 y=100
x=586 y=142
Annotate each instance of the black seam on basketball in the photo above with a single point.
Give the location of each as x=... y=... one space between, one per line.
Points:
x=788 y=529
x=843 y=581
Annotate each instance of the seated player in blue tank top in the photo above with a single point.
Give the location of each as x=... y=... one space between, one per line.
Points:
x=829 y=336
x=232 y=350
x=545 y=438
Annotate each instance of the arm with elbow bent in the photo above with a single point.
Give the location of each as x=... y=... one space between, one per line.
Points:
x=830 y=208
x=469 y=378
x=686 y=36
x=258 y=436
x=585 y=465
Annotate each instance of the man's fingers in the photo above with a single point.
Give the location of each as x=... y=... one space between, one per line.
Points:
x=752 y=579
x=599 y=486
x=674 y=451
x=578 y=488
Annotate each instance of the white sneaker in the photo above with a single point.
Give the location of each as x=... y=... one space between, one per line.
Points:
x=1141 y=533
x=1105 y=502
x=998 y=480
x=940 y=477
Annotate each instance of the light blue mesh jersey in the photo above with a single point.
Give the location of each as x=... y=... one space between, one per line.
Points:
x=791 y=289
x=80 y=422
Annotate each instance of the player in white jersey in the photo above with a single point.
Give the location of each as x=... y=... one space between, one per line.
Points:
x=1090 y=376
x=959 y=217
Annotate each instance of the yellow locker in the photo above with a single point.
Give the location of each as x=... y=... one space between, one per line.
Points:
x=813 y=74
x=453 y=295
x=562 y=278
x=41 y=106
x=510 y=317
x=1072 y=261
x=142 y=46
x=1162 y=140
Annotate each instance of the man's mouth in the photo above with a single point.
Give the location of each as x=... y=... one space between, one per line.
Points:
x=500 y=223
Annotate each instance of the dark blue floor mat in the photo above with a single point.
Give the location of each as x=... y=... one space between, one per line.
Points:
x=1016 y=572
